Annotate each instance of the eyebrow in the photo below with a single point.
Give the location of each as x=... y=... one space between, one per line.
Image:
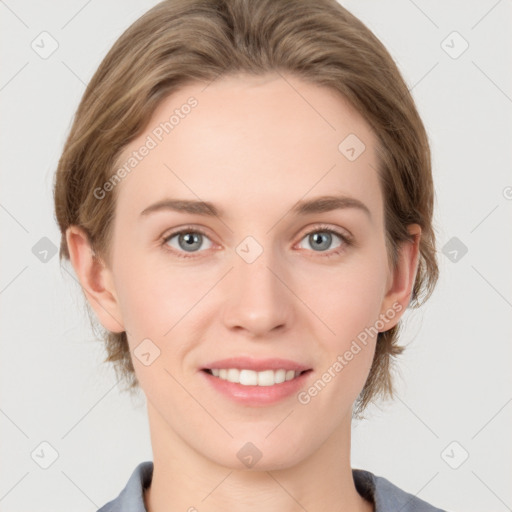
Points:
x=304 y=207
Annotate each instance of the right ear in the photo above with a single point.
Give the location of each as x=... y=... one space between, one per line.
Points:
x=95 y=278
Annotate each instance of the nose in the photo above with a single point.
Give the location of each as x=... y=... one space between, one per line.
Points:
x=258 y=300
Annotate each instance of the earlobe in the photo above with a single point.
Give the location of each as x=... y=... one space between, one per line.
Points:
x=95 y=279
x=402 y=280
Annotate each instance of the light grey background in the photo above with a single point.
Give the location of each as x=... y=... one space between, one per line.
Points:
x=455 y=379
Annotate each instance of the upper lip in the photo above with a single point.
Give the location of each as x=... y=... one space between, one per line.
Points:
x=247 y=363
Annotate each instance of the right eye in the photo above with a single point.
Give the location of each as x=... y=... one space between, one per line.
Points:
x=186 y=240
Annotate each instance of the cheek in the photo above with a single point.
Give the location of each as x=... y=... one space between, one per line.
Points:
x=349 y=307
x=154 y=295
x=158 y=305
x=347 y=299
x=166 y=304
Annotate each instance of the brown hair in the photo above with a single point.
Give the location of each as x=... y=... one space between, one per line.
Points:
x=182 y=41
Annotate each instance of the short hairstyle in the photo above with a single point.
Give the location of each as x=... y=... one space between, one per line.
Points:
x=179 y=42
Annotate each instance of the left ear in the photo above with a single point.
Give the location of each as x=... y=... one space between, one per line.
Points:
x=401 y=278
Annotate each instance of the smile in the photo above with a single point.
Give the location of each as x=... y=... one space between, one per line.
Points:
x=255 y=382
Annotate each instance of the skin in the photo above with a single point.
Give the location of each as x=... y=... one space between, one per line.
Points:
x=253 y=146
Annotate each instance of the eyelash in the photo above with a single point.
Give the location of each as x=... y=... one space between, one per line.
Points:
x=346 y=239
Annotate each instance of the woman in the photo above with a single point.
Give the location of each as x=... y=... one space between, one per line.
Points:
x=246 y=198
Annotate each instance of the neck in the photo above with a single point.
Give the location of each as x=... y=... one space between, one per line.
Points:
x=184 y=479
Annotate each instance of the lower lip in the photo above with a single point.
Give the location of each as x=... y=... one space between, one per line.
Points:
x=257 y=395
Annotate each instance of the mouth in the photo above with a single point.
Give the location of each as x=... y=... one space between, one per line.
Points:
x=256 y=382
x=247 y=377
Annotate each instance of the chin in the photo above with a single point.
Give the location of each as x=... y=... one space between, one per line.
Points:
x=255 y=453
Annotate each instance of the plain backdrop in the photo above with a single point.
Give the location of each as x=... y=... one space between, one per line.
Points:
x=445 y=438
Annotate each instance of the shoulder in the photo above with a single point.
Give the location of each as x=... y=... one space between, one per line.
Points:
x=386 y=496
x=131 y=498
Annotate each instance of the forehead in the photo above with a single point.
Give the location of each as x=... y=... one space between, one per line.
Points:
x=243 y=137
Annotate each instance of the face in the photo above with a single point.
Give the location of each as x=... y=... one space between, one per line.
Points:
x=275 y=279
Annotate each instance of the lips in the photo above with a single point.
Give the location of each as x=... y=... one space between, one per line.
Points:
x=257 y=365
x=256 y=381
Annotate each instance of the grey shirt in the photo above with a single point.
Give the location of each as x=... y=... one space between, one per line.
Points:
x=386 y=496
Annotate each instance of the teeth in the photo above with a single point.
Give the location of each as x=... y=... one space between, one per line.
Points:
x=247 y=377
x=233 y=375
x=252 y=378
x=280 y=376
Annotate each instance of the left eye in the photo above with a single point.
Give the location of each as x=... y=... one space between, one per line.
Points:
x=323 y=239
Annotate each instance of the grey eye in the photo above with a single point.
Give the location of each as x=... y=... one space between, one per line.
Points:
x=189 y=241
x=321 y=240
